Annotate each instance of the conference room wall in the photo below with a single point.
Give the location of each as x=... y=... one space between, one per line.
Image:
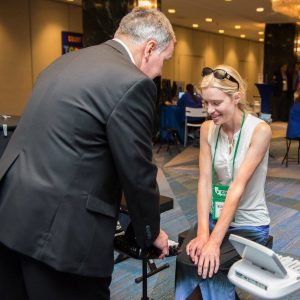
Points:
x=30 y=38
x=15 y=55
x=196 y=49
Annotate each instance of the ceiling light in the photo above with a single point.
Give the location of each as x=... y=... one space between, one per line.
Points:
x=237 y=26
x=242 y=36
x=287 y=7
x=195 y=25
x=221 y=31
x=261 y=33
x=260 y=9
x=261 y=40
x=70 y=0
x=227 y=0
x=147 y=3
x=171 y=10
x=208 y=19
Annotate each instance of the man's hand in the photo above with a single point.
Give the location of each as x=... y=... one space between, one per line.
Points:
x=161 y=243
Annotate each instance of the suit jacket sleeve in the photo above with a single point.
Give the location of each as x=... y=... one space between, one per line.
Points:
x=129 y=131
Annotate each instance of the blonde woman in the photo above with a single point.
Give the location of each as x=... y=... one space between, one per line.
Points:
x=233 y=163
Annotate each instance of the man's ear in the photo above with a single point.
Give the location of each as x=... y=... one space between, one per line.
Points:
x=151 y=46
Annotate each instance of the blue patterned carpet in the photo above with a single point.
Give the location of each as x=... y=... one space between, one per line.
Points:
x=177 y=177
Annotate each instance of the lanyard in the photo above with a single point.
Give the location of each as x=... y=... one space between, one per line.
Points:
x=235 y=151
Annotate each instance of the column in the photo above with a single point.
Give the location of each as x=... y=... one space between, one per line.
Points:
x=101 y=18
x=279 y=47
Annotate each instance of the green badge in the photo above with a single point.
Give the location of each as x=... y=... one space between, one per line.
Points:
x=219 y=193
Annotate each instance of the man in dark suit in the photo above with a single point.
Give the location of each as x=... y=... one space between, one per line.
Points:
x=282 y=96
x=84 y=136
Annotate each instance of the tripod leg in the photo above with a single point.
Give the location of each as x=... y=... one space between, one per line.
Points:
x=145 y=297
x=153 y=270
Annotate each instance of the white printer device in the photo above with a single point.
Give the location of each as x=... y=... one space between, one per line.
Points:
x=262 y=272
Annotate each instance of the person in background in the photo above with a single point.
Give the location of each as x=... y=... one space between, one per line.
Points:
x=282 y=97
x=84 y=137
x=293 y=128
x=296 y=76
x=190 y=98
x=297 y=93
x=233 y=163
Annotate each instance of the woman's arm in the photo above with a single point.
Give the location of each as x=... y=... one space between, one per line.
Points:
x=203 y=196
x=210 y=256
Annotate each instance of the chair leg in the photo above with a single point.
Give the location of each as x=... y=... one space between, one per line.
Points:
x=169 y=137
x=286 y=156
x=185 y=135
x=287 y=153
x=298 y=150
x=156 y=138
x=159 y=148
x=176 y=141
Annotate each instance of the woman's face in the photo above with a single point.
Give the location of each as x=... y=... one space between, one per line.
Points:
x=219 y=105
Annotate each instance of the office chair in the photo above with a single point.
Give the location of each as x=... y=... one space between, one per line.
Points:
x=293 y=131
x=191 y=112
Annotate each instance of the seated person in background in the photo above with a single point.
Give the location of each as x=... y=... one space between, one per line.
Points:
x=189 y=98
x=293 y=129
x=233 y=164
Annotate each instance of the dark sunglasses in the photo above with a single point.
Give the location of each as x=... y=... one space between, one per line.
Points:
x=219 y=74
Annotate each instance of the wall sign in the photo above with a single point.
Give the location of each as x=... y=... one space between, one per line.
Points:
x=71 y=41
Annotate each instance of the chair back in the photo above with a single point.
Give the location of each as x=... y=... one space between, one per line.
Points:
x=293 y=128
x=195 y=112
x=198 y=114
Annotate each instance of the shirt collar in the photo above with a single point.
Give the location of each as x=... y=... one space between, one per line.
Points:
x=127 y=49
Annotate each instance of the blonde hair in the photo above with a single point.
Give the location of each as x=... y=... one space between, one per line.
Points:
x=227 y=86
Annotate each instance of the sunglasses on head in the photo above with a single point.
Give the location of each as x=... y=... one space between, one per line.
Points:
x=219 y=74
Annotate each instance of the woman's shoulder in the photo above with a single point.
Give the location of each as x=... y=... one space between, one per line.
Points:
x=261 y=128
x=209 y=130
x=257 y=126
x=252 y=117
x=252 y=121
x=208 y=125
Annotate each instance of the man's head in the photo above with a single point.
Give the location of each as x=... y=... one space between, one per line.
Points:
x=149 y=36
x=284 y=67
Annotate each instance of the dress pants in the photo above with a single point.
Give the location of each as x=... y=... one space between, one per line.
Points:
x=24 y=278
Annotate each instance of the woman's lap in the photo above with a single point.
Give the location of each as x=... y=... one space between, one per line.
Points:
x=187 y=277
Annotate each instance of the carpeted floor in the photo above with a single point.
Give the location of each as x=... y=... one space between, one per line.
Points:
x=177 y=177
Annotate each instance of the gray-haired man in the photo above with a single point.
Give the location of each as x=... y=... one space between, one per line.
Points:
x=84 y=136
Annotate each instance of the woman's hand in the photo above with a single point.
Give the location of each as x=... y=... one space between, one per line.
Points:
x=209 y=259
x=194 y=248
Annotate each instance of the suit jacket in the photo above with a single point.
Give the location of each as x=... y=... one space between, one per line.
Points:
x=84 y=136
